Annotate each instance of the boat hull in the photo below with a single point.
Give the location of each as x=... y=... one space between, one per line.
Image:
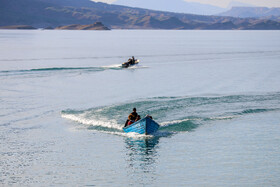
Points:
x=144 y=126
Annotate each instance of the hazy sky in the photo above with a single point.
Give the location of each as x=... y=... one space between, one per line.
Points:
x=224 y=3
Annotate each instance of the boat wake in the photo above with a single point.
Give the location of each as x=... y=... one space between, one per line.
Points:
x=58 y=70
x=174 y=114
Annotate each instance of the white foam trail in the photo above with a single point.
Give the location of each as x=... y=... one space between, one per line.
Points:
x=93 y=122
x=112 y=66
x=135 y=135
x=115 y=66
x=137 y=67
x=222 y=118
x=130 y=134
x=168 y=123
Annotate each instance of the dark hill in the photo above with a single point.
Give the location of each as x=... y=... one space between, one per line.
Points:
x=54 y=13
x=95 y=26
x=25 y=27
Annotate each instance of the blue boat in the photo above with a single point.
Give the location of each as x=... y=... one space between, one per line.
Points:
x=144 y=126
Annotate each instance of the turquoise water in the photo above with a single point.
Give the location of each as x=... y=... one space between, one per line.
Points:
x=64 y=99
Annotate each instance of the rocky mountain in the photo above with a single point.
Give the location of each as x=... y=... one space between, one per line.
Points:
x=253 y=12
x=54 y=13
x=180 y=6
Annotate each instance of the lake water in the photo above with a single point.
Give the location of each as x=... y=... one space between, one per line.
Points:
x=64 y=100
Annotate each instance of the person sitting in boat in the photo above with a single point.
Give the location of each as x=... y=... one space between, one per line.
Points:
x=131 y=118
x=138 y=118
x=133 y=121
x=134 y=114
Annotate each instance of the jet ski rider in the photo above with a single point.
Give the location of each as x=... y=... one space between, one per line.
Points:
x=131 y=61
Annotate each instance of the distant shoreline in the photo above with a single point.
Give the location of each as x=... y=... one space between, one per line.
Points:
x=28 y=27
x=18 y=27
x=94 y=26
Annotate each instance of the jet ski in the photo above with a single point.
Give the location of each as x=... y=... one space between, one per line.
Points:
x=130 y=62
